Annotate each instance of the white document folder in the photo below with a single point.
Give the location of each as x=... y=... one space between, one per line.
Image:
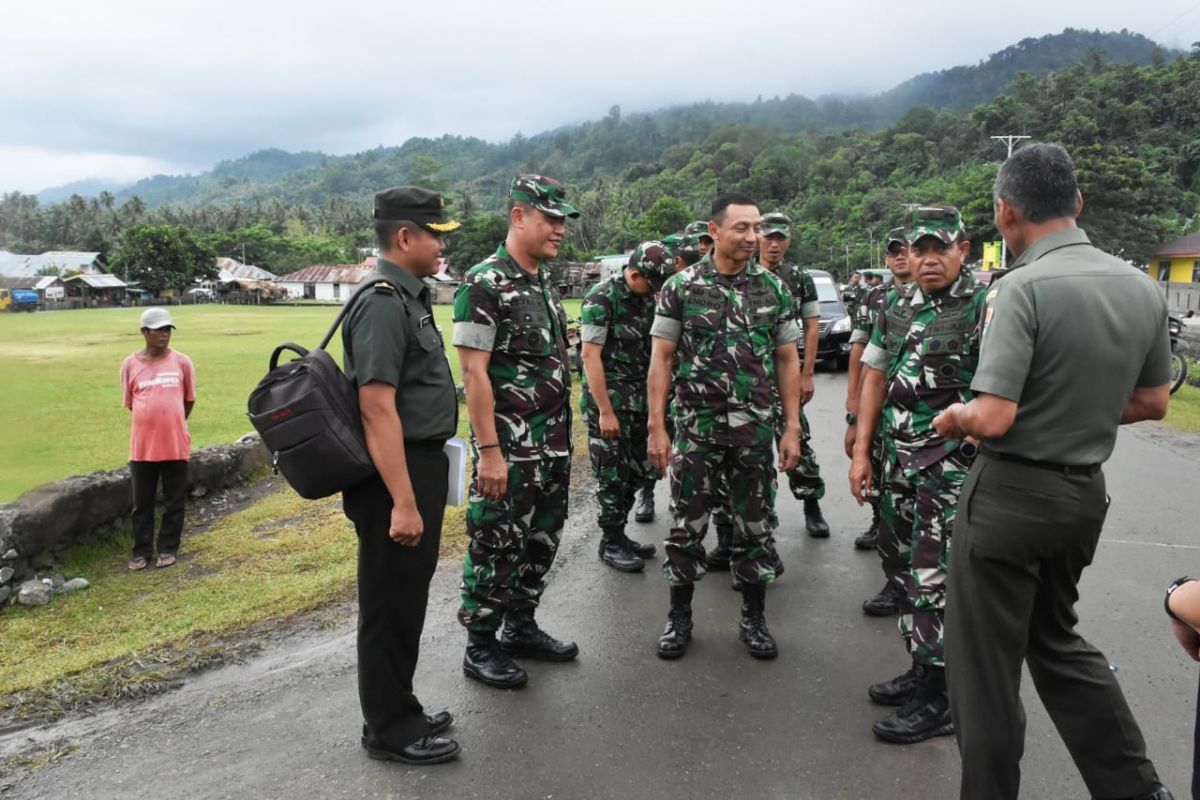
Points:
x=456 y=453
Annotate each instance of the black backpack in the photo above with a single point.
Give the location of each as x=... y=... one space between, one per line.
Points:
x=307 y=414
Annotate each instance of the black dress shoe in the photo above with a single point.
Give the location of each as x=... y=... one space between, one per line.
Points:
x=523 y=638
x=900 y=689
x=426 y=750
x=921 y=718
x=438 y=722
x=485 y=662
x=867 y=540
x=884 y=604
x=814 y=520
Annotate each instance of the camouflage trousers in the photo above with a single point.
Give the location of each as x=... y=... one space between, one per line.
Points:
x=698 y=471
x=915 y=524
x=619 y=465
x=513 y=542
x=804 y=479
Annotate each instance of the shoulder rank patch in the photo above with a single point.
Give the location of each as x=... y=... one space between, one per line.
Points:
x=384 y=287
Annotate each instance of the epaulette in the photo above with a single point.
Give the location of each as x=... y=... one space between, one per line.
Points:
x=383 y=287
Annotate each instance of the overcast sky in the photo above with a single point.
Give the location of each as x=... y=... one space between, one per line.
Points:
x=128 y=88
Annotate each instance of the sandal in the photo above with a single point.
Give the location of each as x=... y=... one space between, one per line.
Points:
x=165 y=560
x=137 y=564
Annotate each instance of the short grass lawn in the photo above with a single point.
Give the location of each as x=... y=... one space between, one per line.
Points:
x=1183 y=412
x=60 y=400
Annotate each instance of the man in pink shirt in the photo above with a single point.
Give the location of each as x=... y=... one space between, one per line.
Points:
x=159 y=386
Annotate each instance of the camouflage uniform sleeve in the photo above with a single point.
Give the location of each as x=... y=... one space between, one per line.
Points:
x=668 y=316
x=876 y=355
x=595 y=317
x=476 y=312
x=809 y=306
x=787 y=330
x=861 y=333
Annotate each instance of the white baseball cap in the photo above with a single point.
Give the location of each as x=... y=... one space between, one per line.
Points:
x=155 y=318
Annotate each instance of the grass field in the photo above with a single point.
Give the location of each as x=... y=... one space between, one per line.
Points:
x=1183 y=413
x=60 y=400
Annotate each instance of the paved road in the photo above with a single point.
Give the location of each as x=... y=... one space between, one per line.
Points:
x=620 y=723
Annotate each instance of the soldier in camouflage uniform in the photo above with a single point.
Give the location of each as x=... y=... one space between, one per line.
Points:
x=730 y=327
x=510 y=332
x=893 y=553
x=700 y=235
x=854 y=293
x=805 y=480
x=921 y=358
x=686 y=250
x=616 y=318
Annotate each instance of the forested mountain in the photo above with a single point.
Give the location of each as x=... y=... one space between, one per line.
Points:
x=614 y=143
x=1134 y=132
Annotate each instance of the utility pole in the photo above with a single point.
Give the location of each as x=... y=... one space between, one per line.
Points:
x=1010 y=140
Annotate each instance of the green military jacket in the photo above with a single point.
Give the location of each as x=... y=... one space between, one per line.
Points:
x=727 y=328
x=518 y=318
x=928 y=349
x=619 y=320
x=866 y=311
x=390 y=337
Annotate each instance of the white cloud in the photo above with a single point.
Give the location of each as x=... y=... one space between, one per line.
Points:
x=98 y=87
x=31 y=169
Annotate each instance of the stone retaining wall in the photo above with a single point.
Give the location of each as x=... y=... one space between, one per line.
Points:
x=39 y=528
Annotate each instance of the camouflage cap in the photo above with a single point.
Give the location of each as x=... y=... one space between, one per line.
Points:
x=654 y=260
x=698 y=229
x=895 y=236
x=672 y=241
x=944 y=222
x=776 y=223
x=545 y=194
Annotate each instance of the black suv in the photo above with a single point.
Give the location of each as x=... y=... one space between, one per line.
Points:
x=834 y=341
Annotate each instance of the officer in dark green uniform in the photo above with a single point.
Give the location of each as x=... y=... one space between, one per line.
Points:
x=394 y=354
x=616 y=317
x=1074 y=345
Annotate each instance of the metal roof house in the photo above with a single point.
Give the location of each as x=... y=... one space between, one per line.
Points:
x=16 y=265
x=324 y=281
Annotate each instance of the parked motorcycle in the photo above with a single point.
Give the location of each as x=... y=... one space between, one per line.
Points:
x=1179 y=365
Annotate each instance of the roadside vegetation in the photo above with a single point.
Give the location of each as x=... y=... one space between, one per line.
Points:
x=1183 y=412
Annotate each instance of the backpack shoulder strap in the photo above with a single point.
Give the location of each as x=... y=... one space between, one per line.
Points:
x=363 y=285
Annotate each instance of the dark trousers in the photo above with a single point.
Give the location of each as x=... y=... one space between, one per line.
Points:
x=1022 y=538
x=393 y=591
x=145 y=476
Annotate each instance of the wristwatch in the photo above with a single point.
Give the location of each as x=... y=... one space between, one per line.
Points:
x=851 y=418
x=1170 y=591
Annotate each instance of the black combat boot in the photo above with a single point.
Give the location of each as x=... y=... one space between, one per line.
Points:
x=814 y=520
x=925 y=716
x=523 y=638
x=616 y=552
x=719 y=557
x=886 y=603
x=674 y=640
x=900 y=689
x=487 y=663
x=1160 y=793
x=645 y=506
x=642 y=551
x=753 y=627
x=869 y=539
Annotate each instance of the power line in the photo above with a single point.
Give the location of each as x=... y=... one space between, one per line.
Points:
x=1010 y=140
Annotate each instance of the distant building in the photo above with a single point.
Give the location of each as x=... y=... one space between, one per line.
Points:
x=1179 y=261
x=230 y=269
x=324 y=282
x=15 y=265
